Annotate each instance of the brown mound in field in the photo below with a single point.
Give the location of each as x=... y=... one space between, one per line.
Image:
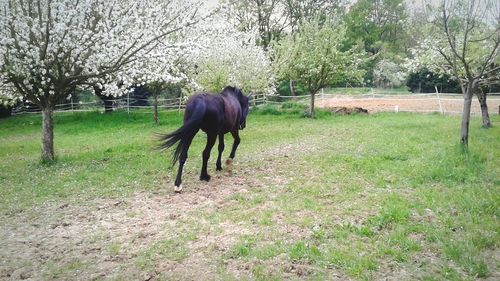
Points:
x=342 y=110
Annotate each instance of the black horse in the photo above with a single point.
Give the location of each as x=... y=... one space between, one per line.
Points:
x=216 y=115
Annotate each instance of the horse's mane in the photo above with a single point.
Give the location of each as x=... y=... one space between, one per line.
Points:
x=232 y=90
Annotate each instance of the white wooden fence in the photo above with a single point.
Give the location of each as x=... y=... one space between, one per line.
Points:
x=443 y=103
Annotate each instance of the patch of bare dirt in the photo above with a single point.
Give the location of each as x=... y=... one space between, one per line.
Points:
x=413 y=103
x=342 y=110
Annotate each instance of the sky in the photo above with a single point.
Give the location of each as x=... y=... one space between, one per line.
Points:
x=412 y=4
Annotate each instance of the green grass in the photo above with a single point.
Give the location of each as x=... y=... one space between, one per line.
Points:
x=97 y=155
x=358 y=196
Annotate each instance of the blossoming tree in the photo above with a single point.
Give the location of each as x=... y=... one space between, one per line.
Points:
x=50 y=47
x=315 y=56
x=464 y=42
x=228 y=56
x=388 y=74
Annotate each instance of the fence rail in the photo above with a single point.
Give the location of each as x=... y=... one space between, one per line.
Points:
x=444 y=103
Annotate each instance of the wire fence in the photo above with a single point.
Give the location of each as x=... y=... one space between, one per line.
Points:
x=122 y=104
x=444 y=103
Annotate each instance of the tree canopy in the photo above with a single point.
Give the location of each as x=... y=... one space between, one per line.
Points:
x=315 y=55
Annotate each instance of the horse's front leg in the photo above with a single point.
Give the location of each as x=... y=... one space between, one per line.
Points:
x=218 y=164
x=236 y=142
x=206 y=155
x=229 y=161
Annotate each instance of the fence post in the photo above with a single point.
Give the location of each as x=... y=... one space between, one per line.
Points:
x=128 y=102
x=72 y=109
x=439 y=101
x=180 y=102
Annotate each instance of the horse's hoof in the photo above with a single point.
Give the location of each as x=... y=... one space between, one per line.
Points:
x=229 y=165
x=205 y=177
x=218 y=168
x=178 y=189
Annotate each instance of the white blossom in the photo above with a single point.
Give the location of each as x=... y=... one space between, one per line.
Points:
x=227 y=56
x=54 y=46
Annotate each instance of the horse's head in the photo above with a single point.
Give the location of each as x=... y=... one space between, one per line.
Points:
x=245 y=107
x=244 y=103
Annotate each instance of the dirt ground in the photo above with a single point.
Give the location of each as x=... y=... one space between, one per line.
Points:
x=449 y=104
x=104 y=239
x=83 y=235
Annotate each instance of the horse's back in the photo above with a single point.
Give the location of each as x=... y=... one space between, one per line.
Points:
x=213 y=111
x=222 y=113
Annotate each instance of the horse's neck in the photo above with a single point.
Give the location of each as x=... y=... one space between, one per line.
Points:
x=230 y=95
x=230 y=101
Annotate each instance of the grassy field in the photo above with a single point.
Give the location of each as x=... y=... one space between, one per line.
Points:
x=383 y=196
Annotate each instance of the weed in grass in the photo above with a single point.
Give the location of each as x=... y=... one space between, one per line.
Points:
x=395 y=209
x=356 y=263
x=63 y=271
x=302 y=251
x=363 y=231
x=241 y=250
x=169 y=249
x=269 y=250
x=114 y=248
x=465 y=256
x=260 y=273
x=266 y=218
x=244 y=247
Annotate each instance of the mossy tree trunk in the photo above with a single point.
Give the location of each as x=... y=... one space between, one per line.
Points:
x=155 y=108
x=468 y=91
x=311 y=106
x=107 y=100
x=481 y=97
x=48 y=134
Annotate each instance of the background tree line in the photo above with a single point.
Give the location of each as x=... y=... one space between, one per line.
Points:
x=50 y=50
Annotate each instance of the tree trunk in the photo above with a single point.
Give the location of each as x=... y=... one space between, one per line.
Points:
x=108 y=104
x=292 y=88
x=311 y=109
x=5 y=110
x=107 y=100
x=155 y=109
x=464 y=134
x=47 y=134
x=481 y=97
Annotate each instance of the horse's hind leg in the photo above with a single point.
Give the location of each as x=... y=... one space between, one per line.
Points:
x=182 y=159
x=218 y=164
x=206 y=154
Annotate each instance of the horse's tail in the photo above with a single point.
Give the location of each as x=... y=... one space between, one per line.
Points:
x=193 y=117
